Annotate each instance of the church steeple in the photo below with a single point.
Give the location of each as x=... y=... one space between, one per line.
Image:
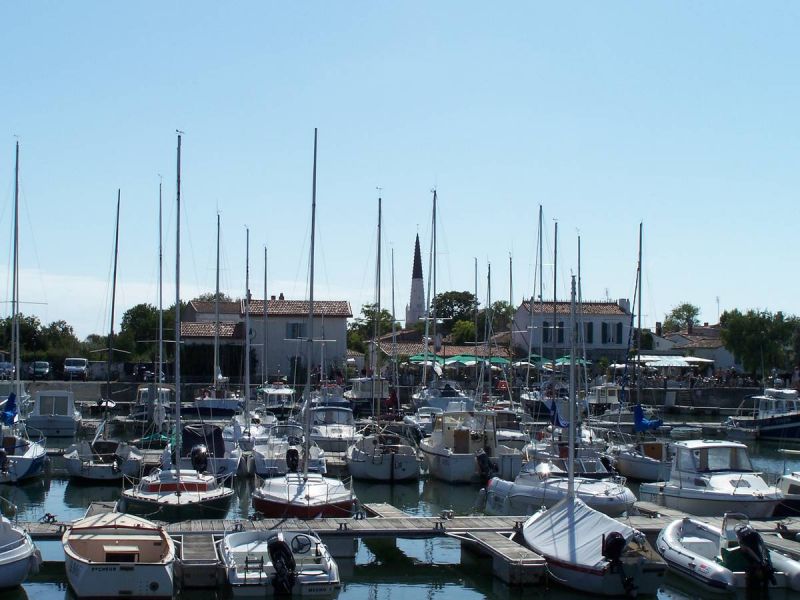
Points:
x=416 y=306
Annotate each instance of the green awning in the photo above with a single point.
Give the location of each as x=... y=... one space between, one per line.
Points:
x=420 y=358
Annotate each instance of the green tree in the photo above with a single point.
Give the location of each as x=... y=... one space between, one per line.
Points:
x=361 y=328
x=502 y=315
x=211 y=296
x=452 y=307
x=463 y=332
x=681 y=317
x=760 y=340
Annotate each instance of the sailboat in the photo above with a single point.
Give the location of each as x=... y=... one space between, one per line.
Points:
x=381 y=455
x=18 y=555
x=20 y=457
x=218 y=399
x=175 y=491
x=301 y=493
x=103 y=459
x=584 y=548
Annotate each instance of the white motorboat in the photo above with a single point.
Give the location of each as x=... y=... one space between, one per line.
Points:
x=643 y=461
x=732 y=558
x=203 y=448
x=102 y=460
x=423 y=418
x=602 y=398
x=775 y=416
x=267 y=563
x=19 y=557
x=115 y=554
x=244 y=432
x=271 y=456
x=382 y=457
x=54 y=413
x=789 y=485
x=592 y=552
x=277 y=398
x=367 y=392
x=710 y=478
x=534 y=489
x=512 y=428
x=439 y=393
x=333 y=428
x=463 y=448
x=153 y=403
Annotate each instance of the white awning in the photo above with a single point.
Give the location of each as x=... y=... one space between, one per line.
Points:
x=697 y=359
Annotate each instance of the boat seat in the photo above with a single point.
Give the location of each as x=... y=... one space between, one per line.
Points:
x=702 y=546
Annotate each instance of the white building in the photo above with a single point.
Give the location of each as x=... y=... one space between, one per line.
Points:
x=606 y=328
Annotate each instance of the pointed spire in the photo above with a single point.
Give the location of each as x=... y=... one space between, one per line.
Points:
x=416 y=273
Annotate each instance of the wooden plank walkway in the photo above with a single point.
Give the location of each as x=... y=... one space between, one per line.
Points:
x=513 y=563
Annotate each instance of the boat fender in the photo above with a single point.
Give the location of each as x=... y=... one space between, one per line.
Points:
x=292 y=460
x=285 y=568
x=485 y=466
x=760 y=572
x=3 y=461
x=199 y=458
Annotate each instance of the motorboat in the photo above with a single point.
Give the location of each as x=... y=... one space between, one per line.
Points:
x=439 y=393
x=19 y=557
x=710 y=478
x=21 y=458
x=203 y=448
x=535 y=487
x=423 y=418
x=54 y=413
x=602 y=398
x=245 y=431
x=649 y=460
x=330 y=394
x=512 y=428
x=118 y=555
x=726 y=559
x=102 y=459
x=463 y=448
x=267 y=563
x=303 y=495
x=270 y=456
x=382 y=456
x=789 y=485
x=592 y=552
x=333 y=428
x=775 y=417
x=217 y=401
x=153 y=403
x=367 y=392
x=277 y=398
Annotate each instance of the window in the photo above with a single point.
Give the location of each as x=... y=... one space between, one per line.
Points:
x=604 y=333
x=589 y=336
x=545 y=332
x=295 y=331
x=561 y=332
x=685 y=458
x=618 y=336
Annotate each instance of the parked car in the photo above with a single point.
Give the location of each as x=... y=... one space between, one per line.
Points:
x=6 y=370
x=39 y=369
x=76 y=368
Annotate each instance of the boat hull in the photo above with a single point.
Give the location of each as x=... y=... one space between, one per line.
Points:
x=17 y=563
x=111 y=580
x=708 y=504
x=54 y=426
x=387 y=466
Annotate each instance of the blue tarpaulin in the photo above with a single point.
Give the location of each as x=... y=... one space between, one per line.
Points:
x=640 y=423
x=9 y=414
x=555 y=417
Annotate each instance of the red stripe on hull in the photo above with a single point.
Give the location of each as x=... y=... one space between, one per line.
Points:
x=278 y=509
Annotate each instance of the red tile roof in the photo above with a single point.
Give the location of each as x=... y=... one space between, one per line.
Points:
x=588 y=308
x=412 y=348
x=299 y=308
x=205 y=329
x=228 y=308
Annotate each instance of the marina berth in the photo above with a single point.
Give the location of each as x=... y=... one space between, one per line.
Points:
x=268 y=563
x=712 y=477
x=115 y=554
x=727 y=559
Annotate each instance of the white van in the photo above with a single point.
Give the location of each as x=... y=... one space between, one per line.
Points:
x=76 y=368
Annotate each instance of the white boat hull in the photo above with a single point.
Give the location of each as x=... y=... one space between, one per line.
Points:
x=105 y=580
x=54 y=426
x=382 y=466
x=708 y=504
x=642 y=468
x=18 y=561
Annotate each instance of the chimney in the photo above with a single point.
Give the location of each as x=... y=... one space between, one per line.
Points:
x=281 y=296
x=705 y=324
x=624 y=304
x=658 y=328
x=272 y=297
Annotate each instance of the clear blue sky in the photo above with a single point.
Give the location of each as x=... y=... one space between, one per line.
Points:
x=681 y=114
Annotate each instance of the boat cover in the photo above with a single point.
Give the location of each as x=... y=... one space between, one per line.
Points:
x=642 y=424
x=555 y=417
x=572 y=532
x=208 y=435
x=9 y=415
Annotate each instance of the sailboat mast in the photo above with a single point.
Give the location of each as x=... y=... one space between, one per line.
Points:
x=571 y=462
x=476 y=306
x=377 y=319
x=178 y=324
x=247 y=330
x=541 y=281
x=395 y=381
x=434 y=269
x=307 y=433
x=15 y=341
x=216 y=317
x=159 y=375
x=639 y=319
x=264 y=373
x=555 y=298
x=111 y=329
x=429 y=301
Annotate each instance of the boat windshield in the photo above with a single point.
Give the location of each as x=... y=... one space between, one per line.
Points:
x=333 y=416
x=724 y=458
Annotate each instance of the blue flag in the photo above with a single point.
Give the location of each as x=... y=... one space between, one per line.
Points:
x=9 y=414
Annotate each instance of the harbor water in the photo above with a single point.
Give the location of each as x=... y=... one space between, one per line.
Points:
x=382 y=569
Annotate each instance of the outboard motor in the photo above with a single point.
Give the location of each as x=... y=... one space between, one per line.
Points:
x=760 y=572
x=283 y=561
x=3 y=460
x=613 y=546
x=485 y=466
x=199 y=458
x=292 y=460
